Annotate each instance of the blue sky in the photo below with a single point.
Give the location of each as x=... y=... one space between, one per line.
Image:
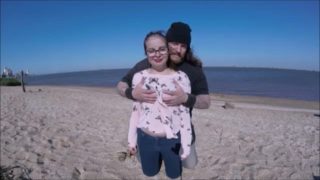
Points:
x=62 y=36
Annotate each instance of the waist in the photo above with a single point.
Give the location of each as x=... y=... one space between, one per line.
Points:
x=152 y=133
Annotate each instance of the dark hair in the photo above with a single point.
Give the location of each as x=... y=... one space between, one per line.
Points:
x=179 y=32
x=153 y=33
x=192 y=59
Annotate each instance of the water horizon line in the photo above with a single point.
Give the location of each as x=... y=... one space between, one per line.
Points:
x=205 y=67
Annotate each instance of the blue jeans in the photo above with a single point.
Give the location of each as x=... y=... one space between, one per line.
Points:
x=155 y=149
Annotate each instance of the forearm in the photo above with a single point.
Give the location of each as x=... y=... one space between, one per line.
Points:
x=121 y=88
x=202 y=101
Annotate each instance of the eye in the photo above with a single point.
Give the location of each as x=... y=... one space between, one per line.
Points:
x=163 y=49
x=151 y=50
x=184 y=46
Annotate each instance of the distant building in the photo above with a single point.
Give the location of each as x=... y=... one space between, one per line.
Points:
x=7 y=72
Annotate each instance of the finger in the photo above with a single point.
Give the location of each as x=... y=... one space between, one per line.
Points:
x=177 y=84
x=151 y=101
x=146 y=91
x=171 y=104
x=168 y=92
x=142 y=80
x=132 y=151
x=168 y=98
x=150 y=95
x=168 y=102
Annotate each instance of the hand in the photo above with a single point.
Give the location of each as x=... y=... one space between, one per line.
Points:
x=132 y=151
x=183 y=156
x=143 y=95
x=175 y=98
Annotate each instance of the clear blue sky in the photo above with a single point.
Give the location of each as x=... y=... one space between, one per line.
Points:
x=63 y=36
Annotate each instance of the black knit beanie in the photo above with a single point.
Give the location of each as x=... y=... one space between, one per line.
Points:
x=179 y=32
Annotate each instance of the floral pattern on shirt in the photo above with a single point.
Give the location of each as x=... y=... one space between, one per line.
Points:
x=158 y=117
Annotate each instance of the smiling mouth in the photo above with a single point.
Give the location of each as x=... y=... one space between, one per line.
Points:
x=178 y=55
x=157 y=60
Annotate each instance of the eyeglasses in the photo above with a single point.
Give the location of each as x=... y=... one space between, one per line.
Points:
x=162 y=50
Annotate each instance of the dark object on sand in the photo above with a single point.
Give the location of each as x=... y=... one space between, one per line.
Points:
x=14 y=172
x=122 y=155
x=228 y=105
x=22 y=82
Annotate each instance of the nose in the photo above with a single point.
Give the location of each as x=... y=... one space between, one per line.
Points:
x=157 y=53
x=178 y=48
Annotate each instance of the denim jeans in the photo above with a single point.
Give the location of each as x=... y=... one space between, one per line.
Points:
x=153 y=150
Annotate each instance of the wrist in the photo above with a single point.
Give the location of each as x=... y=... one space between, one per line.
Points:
x=191 y=100
x=185 y=98
x=128 y=93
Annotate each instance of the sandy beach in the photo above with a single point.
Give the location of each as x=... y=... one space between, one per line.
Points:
x=81 y=133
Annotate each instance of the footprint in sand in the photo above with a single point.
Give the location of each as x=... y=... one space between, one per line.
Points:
x=122 y=155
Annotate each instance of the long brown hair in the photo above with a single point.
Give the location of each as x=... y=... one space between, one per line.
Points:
x=192 y=59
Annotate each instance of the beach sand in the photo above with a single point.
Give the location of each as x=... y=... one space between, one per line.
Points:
x=81 y=133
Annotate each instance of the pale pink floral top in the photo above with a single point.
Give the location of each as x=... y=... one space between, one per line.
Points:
x=158 y=117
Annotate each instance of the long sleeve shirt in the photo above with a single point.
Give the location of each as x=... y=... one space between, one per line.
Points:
x=159 y=118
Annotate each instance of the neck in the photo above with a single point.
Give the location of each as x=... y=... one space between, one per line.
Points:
x=159 y=70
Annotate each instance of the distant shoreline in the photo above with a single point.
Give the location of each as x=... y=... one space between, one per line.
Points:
x=215 y=97
x=205 y=67
x=262 y=82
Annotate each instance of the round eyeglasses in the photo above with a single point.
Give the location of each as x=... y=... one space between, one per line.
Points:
x=162 y=50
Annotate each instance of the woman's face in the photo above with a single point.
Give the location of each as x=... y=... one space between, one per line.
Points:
x=157 y=52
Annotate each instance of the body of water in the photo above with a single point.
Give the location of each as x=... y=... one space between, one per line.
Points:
x=278 y=83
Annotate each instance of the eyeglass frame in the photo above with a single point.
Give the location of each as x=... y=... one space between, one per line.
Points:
x=162 y=50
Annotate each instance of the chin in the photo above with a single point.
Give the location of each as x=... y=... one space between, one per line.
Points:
x=175 y=58
x=176 y=61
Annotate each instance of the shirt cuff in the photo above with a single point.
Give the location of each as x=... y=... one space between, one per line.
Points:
x=190 y=101
x=128 y=93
